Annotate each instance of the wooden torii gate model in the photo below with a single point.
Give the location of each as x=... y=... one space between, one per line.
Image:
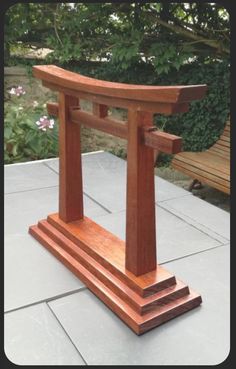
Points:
x=124 y=275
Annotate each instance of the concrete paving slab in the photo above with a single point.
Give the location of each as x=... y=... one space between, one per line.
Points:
x=32 y=273
x=27 y=177
x=104 y=179
x=23 y=209
x=175 y=238
x=202 y=215
x=199 y=337
x=33 y=336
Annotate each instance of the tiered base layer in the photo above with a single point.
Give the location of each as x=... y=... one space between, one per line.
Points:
x=97 y=257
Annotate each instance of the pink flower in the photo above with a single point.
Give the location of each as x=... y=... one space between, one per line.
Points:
x=17 y=91
x=44 y=122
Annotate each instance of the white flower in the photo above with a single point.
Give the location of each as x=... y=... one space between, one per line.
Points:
x=17 y=91
x=12 y=91
x=43 y=123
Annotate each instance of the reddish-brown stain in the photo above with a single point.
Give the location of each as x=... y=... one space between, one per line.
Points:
x=124 y=275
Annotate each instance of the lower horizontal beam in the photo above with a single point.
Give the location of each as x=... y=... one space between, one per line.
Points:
x=115 y=128
x=158 y=140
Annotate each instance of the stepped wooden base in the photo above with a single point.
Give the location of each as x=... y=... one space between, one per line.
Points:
x=97 y=257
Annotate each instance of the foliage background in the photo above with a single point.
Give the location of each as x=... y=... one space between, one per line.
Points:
x=144 y=43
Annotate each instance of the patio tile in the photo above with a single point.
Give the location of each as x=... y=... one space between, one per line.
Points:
x=202 y=215
x=199 y=337
x=175 y=237
x=33 y=336
x=28 y=176
x=32 y=273
x=23 y=209
x=104 y=179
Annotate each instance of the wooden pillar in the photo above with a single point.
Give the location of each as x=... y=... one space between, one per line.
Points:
x=140 y=211
x=70 y=170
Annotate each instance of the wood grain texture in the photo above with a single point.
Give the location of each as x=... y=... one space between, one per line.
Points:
x=109 y=251
x=140 y=198
x=166 y=108
x=53 y=108
x=70 y=169
x=67 y=79
x=124 y=275
x=140 y=314
x=163 y=141
x=138 y=303
x=212 y=166
x=158 y=140
x=104 y=124
x=99 y=110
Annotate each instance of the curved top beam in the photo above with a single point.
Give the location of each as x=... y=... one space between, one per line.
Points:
x=74 y=81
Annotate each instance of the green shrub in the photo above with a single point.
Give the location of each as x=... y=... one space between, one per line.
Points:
x=200 y=127
x=23 y=139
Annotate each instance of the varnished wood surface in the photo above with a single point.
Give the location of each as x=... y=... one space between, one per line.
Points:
x=109 y=251
x=75 y=81
x=158 y=140
x=70 y=169
x=140 y=314
x=138 y=303
x=211 y=166
x=166 y=108
x=106 y=125
x=140 y=198
x=163 y=141
x=125 y=276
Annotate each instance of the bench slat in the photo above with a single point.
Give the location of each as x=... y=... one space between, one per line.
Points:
x=189 y=170
x=216 y=178
x=224 y=144
x=221 y=147
x=225 y=138
x=211 y=166
x=225 y=189
x=218 y=152
x=204 y=160
x=226 y=133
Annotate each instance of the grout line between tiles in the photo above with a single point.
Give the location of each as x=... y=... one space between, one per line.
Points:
x=173 y=198
x=173 y=212
x=98 y=203
x=31 y=189
x=194 y=253
x=49 y=159
x=43 y=188
x=52 y=169
x=70 y=339
x=46 y=300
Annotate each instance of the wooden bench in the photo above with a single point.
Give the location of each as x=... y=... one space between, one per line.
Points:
x=212 y=166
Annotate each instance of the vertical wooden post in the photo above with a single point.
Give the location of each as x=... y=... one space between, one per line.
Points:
x=100 y=110
x=70 y=170
x=140 y=211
